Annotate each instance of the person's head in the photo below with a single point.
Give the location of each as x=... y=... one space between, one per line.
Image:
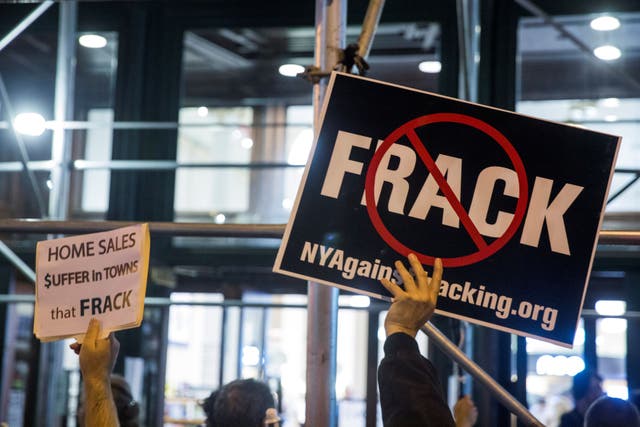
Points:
x=612 y=412
x=128 y=409
x=587 y=387
x=240 y=403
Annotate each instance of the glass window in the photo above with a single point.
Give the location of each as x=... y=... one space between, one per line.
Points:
x=214 y=135
x=561 y=82
x=611 y=349
x=193 y=354
x=549 y=376
x=96 y=70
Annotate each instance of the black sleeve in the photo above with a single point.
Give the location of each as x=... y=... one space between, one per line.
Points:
x=410 y=392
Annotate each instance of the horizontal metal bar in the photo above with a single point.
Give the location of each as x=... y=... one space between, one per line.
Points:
x=619 y=237
x=196 y=229
x=36 y=226
x=80 y=125
x=133 y=165
x=171 y=165
x=166 y=302
x=33 y=165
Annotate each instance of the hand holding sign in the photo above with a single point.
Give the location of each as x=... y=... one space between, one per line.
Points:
x=413 y=306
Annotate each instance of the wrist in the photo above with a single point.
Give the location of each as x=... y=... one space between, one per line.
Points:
x=393 y=329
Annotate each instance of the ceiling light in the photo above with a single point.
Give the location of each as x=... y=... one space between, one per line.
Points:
x=430 y=66
x=607 y=52
x=605 y=23
x=220 y=218
x=611 y=102
x=203 y=111
x=610 y=118
x=290 y=70
x=246 y=143
x=92 y=41
x=29 y=124
x=611 y=307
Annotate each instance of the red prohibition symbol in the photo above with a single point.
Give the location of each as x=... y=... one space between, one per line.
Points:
x=409 y=130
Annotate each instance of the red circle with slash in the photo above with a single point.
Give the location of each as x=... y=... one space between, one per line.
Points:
x=408 y=129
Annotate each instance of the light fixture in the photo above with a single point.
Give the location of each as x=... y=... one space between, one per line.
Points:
x=246 y=143
x=610 y=118
x=430 y=67
x=607 y=52
x=290 y=70
x=203 y=111
x=610 y=102
x=29 y=124
x=611 y=307
x=220 y=218
x=92 y=41
x=605 y=23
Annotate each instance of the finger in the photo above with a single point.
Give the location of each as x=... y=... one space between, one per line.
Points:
x=418 y=270
x=76 y=347
x=436 y=279
x=93 y=332
x=392 y=287
x=407 y=279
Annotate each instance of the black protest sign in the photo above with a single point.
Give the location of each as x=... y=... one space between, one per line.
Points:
x=511 y=204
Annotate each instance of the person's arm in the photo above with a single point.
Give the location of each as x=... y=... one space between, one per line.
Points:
x=410 y=392
x=97 y=357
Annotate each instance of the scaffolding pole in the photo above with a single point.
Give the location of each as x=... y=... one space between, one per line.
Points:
x=207 y=229
x=322 y=314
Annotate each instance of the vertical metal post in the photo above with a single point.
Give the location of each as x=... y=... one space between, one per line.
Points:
x=51 y=376
x=63 y=110
x=322 y=312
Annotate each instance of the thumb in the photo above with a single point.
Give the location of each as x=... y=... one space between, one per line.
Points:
x=93 y=332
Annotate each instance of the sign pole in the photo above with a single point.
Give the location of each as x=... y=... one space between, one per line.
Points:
x=322 y=312
x=503 y=396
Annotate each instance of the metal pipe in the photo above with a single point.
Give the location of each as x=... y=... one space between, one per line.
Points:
x=63 y=110
x=28 y=20
x=172 y=165
x=159 y=228
x=503 y=396
x=22 y=148
x=322 y=314
x=369 y=27
x=205 y=229
x=17 y=262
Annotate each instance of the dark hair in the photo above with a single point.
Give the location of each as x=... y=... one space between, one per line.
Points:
x=240 y=403
x=582 y=383
x=128 y=409
x=612 y=412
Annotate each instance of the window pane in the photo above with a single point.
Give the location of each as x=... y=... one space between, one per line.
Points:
x=561 y=82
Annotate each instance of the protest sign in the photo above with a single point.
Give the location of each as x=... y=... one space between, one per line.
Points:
x=512 y=204
x=101 y=275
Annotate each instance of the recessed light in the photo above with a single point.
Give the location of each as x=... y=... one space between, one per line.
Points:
x=605 y=23
x=29 y=124
x=92 y=41
x=431 y=67
x=611 y=102
x=607 y=52
x=203 y=111
x=290 y=70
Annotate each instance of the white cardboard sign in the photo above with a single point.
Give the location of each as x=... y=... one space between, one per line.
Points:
x=101 y=275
